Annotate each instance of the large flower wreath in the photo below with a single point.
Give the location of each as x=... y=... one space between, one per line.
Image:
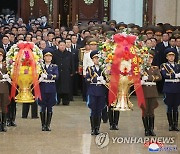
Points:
x=124 y=55
x=24 y=58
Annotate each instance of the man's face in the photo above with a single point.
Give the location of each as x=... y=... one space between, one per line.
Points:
x=96 y=60
x=74 y=39
x=150 y=60
x=75 y=29
x=93 y=47
x=149 y=34
x=20 y=31
x=42 y=44
x=165 y=37
x=68 y=43
x=62 y=46
x=149 y=43
x=170 y=57
x=57 y=40
x=14 y=31
x=44 y=19
x=48 y=58
x=178 y=42
x=153 y=42
x=57 y=32
x=20 y=37
x=64 y=34
x=87 y=34
x=28 y=38
x=172 y=42
x=50 y=37
x=5 y=40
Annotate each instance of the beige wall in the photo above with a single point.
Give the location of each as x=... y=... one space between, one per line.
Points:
x=167 y=11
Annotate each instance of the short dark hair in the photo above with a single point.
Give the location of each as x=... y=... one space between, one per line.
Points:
x=61 y=42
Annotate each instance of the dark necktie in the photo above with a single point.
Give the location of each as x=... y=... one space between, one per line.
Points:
x=5 y=47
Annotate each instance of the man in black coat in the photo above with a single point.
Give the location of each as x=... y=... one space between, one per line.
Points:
x=160 y=47
x=160 y=57
x=5 y=45
x=63 y=59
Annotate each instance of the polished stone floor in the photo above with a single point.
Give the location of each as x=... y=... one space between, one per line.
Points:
x=71 y=133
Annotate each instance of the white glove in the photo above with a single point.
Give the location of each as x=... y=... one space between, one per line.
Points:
x=8 y=80
x=98 y=82
x=142 y=82
x=145 y=78
x=103 y=82
x=5 y=76
x=101 y=78
x=43 y=75
x=98 y=78
x=41 y=79
x=177 y=75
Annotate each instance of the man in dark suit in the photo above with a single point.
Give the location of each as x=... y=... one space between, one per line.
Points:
x=49 y=42
x=44 y=22
x=161 y=57
x=160 y=47
x=5 y=44
x=75 y=52
x=63 y=59
x=178 y=47
x=172 y=42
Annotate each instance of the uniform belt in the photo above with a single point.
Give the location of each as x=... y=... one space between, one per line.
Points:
x=97 y=84
x=172 y=80
x=48 y=81
x=149 y=83
x=3 y=80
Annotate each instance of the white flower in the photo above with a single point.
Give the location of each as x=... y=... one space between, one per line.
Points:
x=125 y=66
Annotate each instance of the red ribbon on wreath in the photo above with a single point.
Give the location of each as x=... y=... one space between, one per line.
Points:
x=122 y=52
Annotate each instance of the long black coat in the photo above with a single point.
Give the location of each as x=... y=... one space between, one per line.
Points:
x=64 y=61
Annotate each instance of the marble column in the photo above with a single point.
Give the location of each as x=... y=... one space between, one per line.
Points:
x=167 y=11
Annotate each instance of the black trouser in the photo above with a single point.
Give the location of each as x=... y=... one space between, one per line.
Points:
x=64 y=97
x=105 y=114
x=75 y=80
x=34 y=110
x=11 y=114
x=149 y=110
x=84 y=93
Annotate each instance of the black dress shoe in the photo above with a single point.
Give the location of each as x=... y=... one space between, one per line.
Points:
x=96 y=131
x=147 y=133
x=105 y=121
x=92 y=132
x=13 y=124
x=8 y=123
x=34 y=117
x=24 y=117
x=111 y=127
x=115 y=127
x=171 y=128
x=44 y=128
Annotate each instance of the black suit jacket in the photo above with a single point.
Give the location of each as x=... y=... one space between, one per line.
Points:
x=161 y=56
x=9 y=46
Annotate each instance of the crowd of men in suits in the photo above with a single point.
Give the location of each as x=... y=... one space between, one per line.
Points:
x=65 y=43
